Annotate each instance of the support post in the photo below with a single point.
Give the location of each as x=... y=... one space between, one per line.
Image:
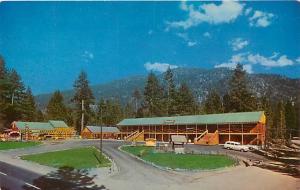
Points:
x=155 y=131
x=242 y=134
x=229 y=132
x=82 y=115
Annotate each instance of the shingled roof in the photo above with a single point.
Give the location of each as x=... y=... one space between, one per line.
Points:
x=224 y=118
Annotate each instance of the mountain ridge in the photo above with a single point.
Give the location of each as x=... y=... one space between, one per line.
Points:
x=200 y=80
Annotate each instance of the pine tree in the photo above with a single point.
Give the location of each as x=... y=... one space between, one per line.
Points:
x=137 y=98
x=83 y=94
x=266 y=106
x=129 y=111
x=227 y=103
x=185 y=101
x=56 y=109
x=3 y=92
x=291 y=119
x=14 y=96
x=170 y=93
x=40 y=116
x=280 y=122
x=28 y=107
x=109 y=112
x=213 y=103
x=153 y=96
x=240 y=97
x=297 y=108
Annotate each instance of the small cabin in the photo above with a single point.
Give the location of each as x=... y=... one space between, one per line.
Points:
x=94 y=132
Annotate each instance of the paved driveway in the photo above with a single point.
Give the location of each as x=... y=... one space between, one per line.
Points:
x=134 y=174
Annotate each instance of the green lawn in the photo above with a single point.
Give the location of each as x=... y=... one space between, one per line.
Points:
x=180 y=161
x=15 y=144
x=79 y=158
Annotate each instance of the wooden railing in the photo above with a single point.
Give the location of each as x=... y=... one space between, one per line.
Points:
x=251 y=142
x=131 y=135
x=198 y=138
x=134 y=136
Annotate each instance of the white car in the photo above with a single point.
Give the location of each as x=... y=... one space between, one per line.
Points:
x=236 y=146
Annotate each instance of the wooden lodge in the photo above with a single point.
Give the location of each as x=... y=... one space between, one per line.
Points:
x=212 y=129
x=41 y=130
x=94 y=132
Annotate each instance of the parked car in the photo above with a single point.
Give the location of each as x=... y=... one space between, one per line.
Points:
x=231 y=145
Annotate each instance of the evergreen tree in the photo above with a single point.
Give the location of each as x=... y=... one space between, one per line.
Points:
x=291 y=119
x=185 y=101
x=213 y=103
x=3 y=92
x=170 y=93
x=267 y=107
x=153 y=96
x=227 y=103
x=14 y=95
x=40 y=116
x=297 y=109
x=56 y=109
x=240 y=97
x=83 y=94
x=28 y=107
x=280 y=122
x=137 y=98
x=109 y=112
x=129 y=111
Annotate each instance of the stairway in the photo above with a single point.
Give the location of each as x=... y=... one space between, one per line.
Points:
x=135 y=136
x=198 y=138
x=207 y=138
x=253 y=141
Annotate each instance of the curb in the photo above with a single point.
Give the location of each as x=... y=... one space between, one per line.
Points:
x=176 y=169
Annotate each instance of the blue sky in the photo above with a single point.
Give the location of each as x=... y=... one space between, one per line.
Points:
x=49 y=43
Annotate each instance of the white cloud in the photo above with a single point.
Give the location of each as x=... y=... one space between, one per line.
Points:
x=211 y=13
x=207 y=34
x=157 y=66
x=191 y=44
x=298 y=60
x=232 y=65
x=234 y=60
x=270 y=61
x=248 y=60
x=186 y=38
x=238 y=44
x=87 y=56
x=248 y=11
x=260 y=19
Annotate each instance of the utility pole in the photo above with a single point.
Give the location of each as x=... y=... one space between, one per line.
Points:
x=101 y=130
x=82 y=114
x=12 y=98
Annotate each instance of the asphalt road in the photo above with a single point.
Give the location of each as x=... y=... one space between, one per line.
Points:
x=15 y=178
x=134 y=174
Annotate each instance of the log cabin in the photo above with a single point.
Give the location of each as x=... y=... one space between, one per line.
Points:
x=52 y=129
x=210 y=129
x=94 y=132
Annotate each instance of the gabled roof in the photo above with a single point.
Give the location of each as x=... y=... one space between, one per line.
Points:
x=51 y=125
x=58 y=124
x=224 y=118
x=105 y=129
x=33 y=125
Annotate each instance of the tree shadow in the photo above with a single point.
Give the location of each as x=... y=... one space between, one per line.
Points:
x=66 y=178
